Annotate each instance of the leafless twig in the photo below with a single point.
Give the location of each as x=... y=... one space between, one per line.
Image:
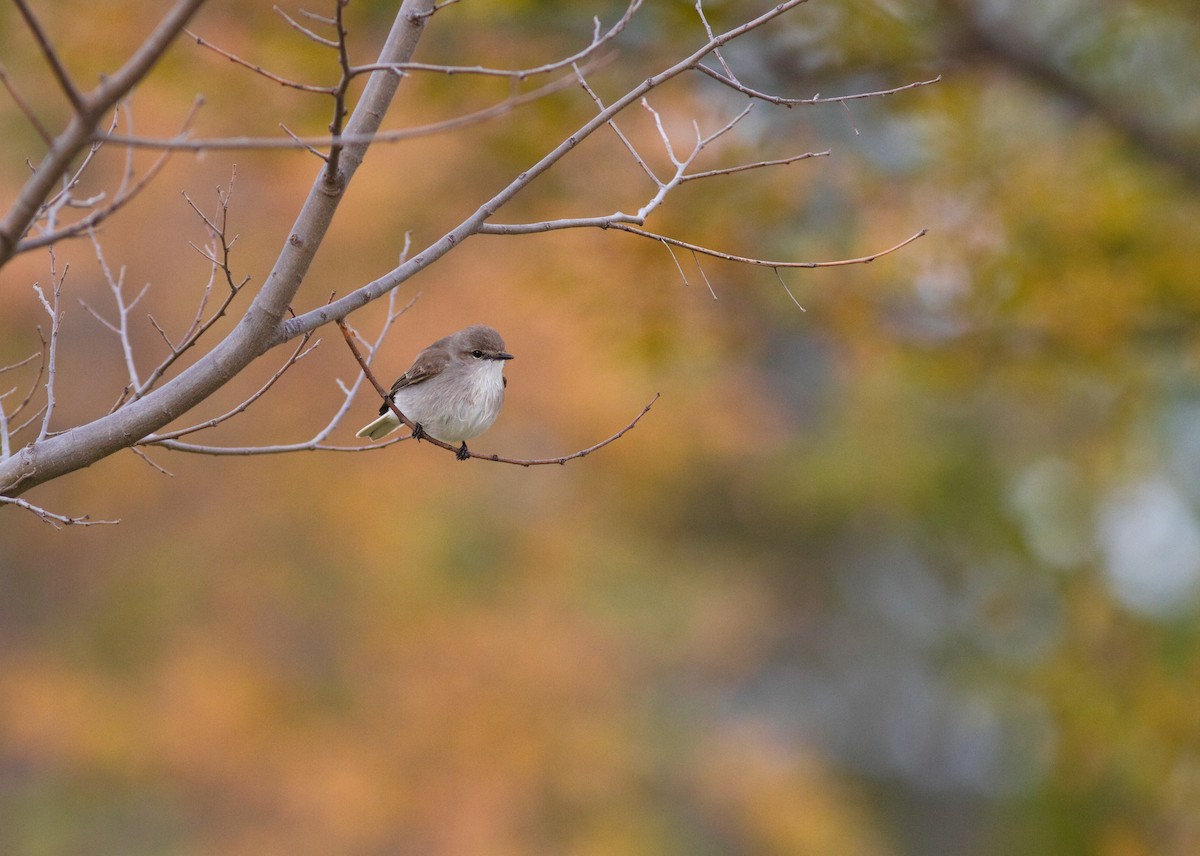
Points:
x=599 y=40
x=485 y=114
x=305 y=31
x=258 y=69
x=734 y=84
x=299 y=353
x=120 y=327
x=51 y=307
x=24 y=107
x=27 y=205
x=58 y=521
x=317 y=442
x=128 y=190
x=218 y=254
x=41 y=356
x=56 y=64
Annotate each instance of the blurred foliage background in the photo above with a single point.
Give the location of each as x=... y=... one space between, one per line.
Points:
x=913 y=571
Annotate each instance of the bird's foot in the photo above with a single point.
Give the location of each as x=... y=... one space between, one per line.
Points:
x=463 y=452
x=418 y=432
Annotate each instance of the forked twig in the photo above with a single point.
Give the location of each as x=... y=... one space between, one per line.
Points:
x=599 y=40
x=484 y=114
x=58 y=521
x=298 y=354
x=258 y=69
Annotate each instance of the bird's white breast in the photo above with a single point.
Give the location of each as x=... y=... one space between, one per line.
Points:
x=454 y=407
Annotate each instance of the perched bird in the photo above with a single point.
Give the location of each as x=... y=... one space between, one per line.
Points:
x=453 y=390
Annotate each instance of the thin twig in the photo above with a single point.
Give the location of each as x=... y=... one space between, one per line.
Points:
x=700 y=268
x=25 y=108
x=298 y=354
x=217 y=228
x=303 y=30
x=779 y=276
x=33 y=387
x=20 y=363
x=622 y=223
x=498 y=109
x=598 y=41
x=730 y=170
x=51 y=308
x=150 y=462
x=613 y=124
x=729 y=257
x=816 y=99
x=708 y=31
x=337 y=122
x=56 y=64
x=58 y=521
x=258 y=69
x=28 y=204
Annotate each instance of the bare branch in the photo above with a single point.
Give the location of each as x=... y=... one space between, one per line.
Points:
x=150 y=462
x=266 y=322
x=302 y=144
x=52 y=57
x=700 y=268
x=51 y=306
x=58 y=521
x=279 y=449
x=498 y=109
x=816 y=99
x=121 y=328
x=709 y=31
x=41 y=356
x=675 y=259
x=25 y=108
x=729 y=257
x=216 y=226
x=317 y=442
x=612 y=124
x=779 y=276
x=336 y=124
x=298 y=354
x=258 y=69
x=125 y=193
x=303 y=30
x=598 y=41
x=622 y=222
x=5 y=448
x=320 y=19
x=20 y=363
x=475 y=222
x=349 y=393
x=730 y=170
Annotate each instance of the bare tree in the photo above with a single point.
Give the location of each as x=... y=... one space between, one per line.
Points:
x=48 y=210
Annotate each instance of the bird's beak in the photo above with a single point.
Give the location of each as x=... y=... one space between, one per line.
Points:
x=503 y=356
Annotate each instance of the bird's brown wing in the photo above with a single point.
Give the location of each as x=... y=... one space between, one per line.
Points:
x=428 y=364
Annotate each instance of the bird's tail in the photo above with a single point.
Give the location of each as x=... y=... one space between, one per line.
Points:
x=381 y=427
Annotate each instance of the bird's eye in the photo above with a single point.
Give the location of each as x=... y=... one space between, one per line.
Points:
x=477 y=354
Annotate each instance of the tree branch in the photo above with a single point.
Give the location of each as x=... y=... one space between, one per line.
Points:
x=52 y=57
x=58 y=521
x=472 y=224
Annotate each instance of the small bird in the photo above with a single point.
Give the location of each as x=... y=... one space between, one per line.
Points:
x=453 y=390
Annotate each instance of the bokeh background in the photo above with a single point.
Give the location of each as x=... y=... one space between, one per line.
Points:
x=913 y=571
